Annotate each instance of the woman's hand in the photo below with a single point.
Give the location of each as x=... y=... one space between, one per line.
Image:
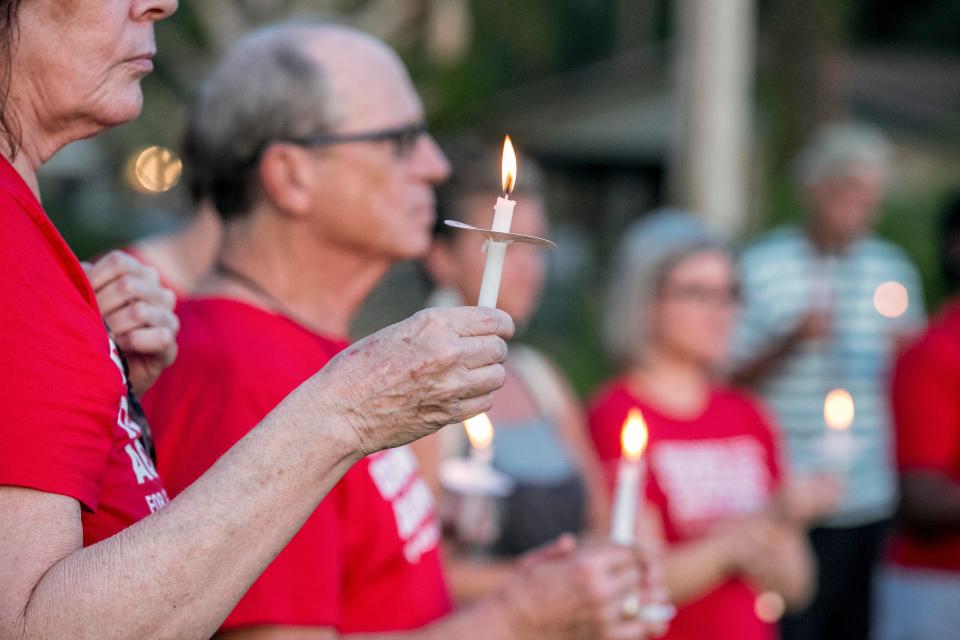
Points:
x=591 y=592
x=436 y=368
x=773 y=554
x=139 y=312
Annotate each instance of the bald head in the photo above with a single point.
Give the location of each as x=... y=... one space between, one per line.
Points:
x=289 y=82
x=364 y=74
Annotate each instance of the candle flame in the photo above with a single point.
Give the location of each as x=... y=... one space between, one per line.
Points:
x=838 y=409
x=508 y=167
x=480 y=431
x=633 y=437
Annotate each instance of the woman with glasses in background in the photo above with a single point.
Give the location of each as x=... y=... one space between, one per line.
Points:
x=712 y=463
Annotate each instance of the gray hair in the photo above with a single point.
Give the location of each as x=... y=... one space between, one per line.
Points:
x=840 y=148
x=267 y=87
x=648 y=249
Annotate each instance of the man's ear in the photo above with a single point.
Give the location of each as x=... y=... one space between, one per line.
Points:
x=287 y=180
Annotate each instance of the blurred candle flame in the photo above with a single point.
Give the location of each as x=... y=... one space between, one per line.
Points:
x=480 y=431
x=838 y=409
x=890 y=299
x=770 y=607
x=508 y=167
x=633 y=437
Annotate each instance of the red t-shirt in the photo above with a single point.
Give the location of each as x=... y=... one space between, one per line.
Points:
x=926 y=409
x=721 y=464
x=367 y=558
x=64 y=426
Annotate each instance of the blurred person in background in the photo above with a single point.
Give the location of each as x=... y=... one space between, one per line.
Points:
x=713 y=471
x=540 y=436
x=920 y=585
x=810 y=325
x=322 y=169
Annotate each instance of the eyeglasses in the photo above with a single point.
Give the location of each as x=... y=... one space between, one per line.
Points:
x=704 y=295
x=404 y=138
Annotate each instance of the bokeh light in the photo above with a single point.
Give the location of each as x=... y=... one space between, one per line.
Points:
x=890 y=299
x=479 y=430
x=769 y=606
x=154 y=170
x=838 y=409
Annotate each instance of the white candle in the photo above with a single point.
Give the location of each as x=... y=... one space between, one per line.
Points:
x=477 y=522
x=838 y=413
x=502 y=218
x=629 y=492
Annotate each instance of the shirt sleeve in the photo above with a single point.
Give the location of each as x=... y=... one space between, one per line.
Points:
x=59 y=390
x=926 y=408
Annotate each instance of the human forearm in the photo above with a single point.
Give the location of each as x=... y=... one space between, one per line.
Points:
x=814 y=325
x=792 y=571
x=755 y=370
x=178 y=573
x=471 y=580
x=929 y=503
x=695 y=568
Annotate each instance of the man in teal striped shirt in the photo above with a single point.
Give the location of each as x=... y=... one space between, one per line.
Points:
x=825 y=306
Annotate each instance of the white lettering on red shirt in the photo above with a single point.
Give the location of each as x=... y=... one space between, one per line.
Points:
x=711 y=479
x=394 y=473
x=140 y=461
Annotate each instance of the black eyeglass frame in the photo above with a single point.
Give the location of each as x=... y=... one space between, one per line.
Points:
x=404 y=138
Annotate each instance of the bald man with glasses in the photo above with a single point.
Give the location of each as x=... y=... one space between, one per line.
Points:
x=318 y=161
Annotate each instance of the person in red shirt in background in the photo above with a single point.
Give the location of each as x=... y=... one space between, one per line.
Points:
x=323 y=172
x=920 y=587
x=713 y=463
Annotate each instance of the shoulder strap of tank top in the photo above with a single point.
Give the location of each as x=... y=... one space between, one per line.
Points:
x=540 y=378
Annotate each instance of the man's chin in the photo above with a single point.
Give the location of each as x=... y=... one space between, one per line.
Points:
x=413 y=252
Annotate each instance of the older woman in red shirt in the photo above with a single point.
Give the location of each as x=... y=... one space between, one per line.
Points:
x=88 y=544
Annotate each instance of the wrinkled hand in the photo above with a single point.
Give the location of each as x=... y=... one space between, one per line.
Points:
x=436 y=368
x=565 y=592
x=139 y=312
